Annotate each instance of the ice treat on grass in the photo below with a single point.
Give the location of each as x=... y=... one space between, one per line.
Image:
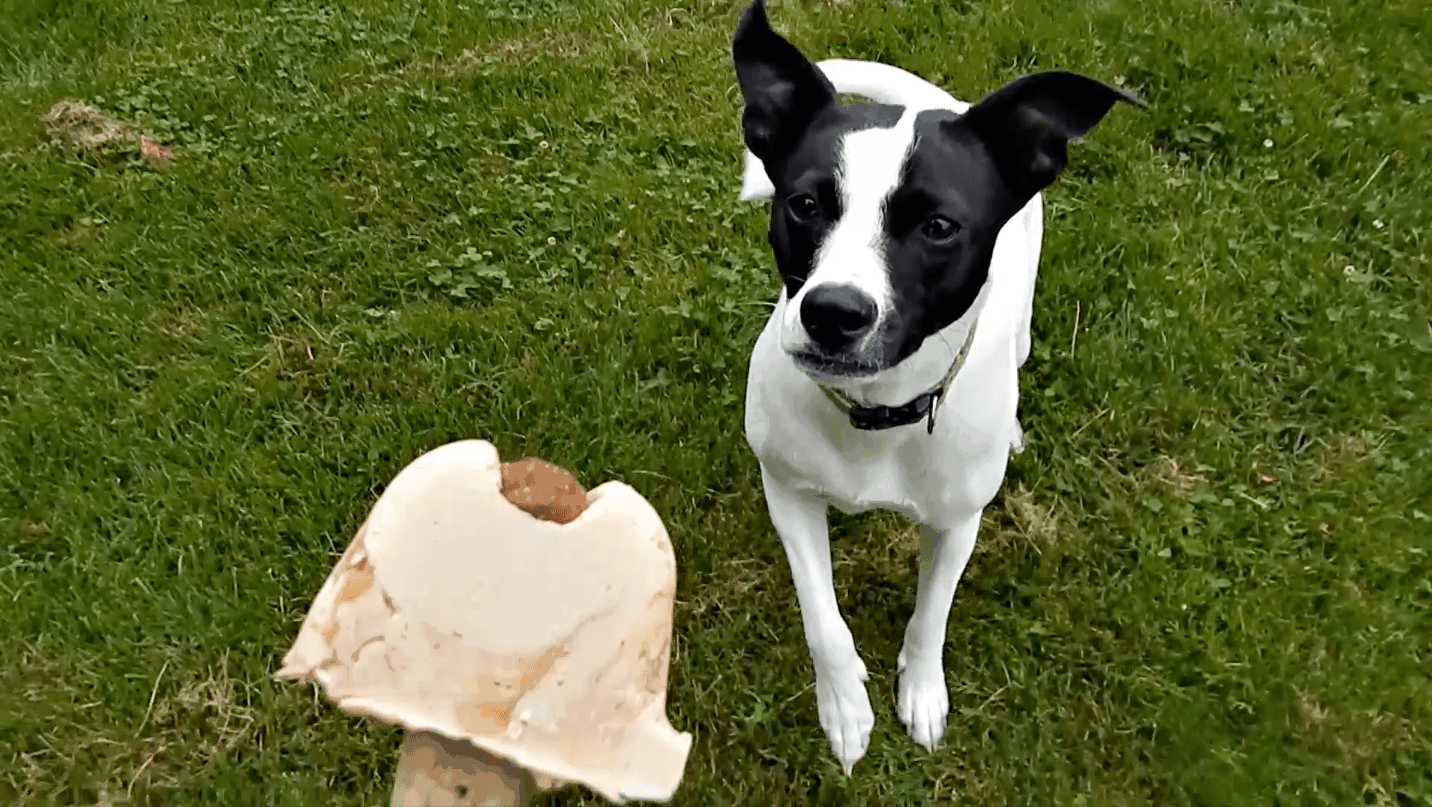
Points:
x=516 y=626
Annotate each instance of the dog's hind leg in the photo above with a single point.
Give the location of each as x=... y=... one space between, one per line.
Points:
x=841 y=699
x=923 y=700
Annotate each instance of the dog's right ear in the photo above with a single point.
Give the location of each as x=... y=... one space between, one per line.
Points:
x=783 y=90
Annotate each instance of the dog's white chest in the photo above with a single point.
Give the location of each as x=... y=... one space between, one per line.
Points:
x=800 y=437
x=848 y=478
x=875 y=485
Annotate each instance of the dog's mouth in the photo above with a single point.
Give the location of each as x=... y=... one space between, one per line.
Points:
x=819 y=365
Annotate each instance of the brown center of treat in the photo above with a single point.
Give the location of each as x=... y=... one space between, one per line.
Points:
x=543 y=490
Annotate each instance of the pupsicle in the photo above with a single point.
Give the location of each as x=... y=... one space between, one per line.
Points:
x=510 y=647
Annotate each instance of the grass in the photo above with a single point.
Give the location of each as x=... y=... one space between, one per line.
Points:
x=387 y=226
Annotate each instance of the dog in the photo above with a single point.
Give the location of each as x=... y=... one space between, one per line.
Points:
x=907 y=235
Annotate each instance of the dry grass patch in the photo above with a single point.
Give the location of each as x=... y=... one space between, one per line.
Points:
x=1037 y=522
x=885 y=547
x=530 y=50
x=26 y=686
x=1357 y=737
x=79 y=233
x=1020 y=518
x=536 y=51
x=183 y=323
x=1175 y=477
x=889 y=547
x=25 y=777
x=1334 y=458
x=1370 y=732
x=737 y=579
x=205 y=719
x=1310 y=711
x=82 y=127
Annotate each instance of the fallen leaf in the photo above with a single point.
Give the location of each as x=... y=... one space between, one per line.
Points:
x=153 y=151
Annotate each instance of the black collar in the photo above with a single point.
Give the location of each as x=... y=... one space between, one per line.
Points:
x=877 y=418
x=922 y=407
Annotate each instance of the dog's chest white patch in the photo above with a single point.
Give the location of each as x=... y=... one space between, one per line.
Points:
x=871 y=161
x=880 y=487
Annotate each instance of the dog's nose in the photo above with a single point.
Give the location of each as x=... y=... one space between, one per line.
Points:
x=836 y=316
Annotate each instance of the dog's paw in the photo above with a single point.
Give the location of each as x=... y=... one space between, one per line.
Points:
x=1016 y=438
x=845 y=712
x=924 y=702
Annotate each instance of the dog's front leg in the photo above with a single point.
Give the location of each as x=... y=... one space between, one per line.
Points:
x=841 y=699
x=924 y=701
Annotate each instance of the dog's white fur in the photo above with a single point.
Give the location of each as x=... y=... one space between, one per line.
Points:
x=851 y=254
x=811 y=457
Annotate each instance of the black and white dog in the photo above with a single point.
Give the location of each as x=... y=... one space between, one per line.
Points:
x=907 y=233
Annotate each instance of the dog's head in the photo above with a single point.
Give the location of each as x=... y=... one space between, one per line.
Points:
x=884 y=218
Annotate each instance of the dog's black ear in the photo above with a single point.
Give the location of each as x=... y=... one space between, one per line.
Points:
x=783 y=90
x=1027 y=123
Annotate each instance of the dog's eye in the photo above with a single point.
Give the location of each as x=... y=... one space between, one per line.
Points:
x=939 y=228
x=803 y=207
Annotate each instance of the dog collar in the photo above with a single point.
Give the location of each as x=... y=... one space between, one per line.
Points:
x=924 y=405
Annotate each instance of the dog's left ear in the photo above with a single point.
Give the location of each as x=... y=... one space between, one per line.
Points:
x=1027 y=124
x=783 y=90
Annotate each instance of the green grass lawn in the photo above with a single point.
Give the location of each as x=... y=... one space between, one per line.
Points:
x=389 y=225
